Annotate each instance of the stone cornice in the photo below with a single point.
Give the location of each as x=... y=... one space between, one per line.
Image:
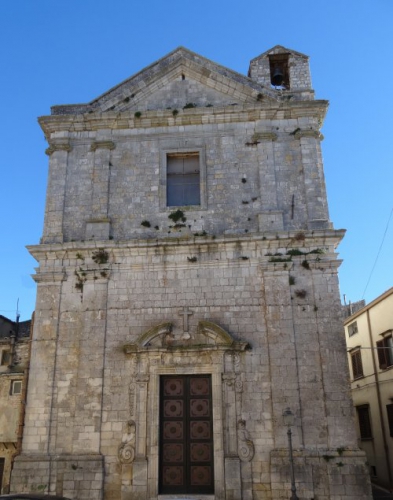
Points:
x=271 y=240
x=49 y=277
x=196 y=116
x=53 y=147
x=102 y=145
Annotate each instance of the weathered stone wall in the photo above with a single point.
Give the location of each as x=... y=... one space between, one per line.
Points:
x=11 y=403
x=252 y=170
x=253 y=288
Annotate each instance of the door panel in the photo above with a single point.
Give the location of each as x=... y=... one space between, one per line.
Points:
x=186 y=435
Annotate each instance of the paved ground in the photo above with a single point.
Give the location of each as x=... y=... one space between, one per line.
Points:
x=379 y=494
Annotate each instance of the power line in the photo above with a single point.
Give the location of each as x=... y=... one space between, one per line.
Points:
x=379 y=251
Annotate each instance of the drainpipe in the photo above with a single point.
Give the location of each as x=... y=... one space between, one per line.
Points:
x=385 y=444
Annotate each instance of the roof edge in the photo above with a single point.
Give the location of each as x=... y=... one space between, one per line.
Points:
x=373 y=303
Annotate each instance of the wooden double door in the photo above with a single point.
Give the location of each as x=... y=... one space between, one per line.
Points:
x=186 y=435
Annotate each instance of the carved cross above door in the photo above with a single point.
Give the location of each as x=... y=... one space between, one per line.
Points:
x=185 y=312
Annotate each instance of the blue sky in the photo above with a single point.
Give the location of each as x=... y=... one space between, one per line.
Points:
x=71 y=51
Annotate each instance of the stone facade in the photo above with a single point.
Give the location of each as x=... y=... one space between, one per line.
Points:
x=14 y=361
x=239 y=288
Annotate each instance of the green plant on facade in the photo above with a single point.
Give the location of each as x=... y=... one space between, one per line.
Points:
x=100 y=256
x=295 y=251
x=80 y=279
x=176 y=216
x=301 y=294
x=279 y=259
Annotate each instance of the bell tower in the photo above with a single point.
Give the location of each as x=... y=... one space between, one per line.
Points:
x=283 y=70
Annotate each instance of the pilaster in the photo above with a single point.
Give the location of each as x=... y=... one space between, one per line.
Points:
x=314 y=180
x=53 y=225
x=270 y=218
x=98 y=228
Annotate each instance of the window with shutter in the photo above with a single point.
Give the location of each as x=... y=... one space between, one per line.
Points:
x=183 y=180
x=357 y=365
x=364 y=421
x=385 y=352
x=389 y=409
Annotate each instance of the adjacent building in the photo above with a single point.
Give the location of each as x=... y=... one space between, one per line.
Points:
x=370 y=354
x=14 y=360
x=188 y=293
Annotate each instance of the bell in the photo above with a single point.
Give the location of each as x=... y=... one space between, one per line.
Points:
x=277 y=77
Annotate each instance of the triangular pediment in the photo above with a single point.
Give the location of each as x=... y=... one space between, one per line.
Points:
x=279 y=49
x=180 y=79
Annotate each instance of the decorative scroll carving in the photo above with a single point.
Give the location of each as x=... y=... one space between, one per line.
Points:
x=245 y=446
x=126 y=450
x=238 y=386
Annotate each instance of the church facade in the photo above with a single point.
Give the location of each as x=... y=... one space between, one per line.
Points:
x=188 y=294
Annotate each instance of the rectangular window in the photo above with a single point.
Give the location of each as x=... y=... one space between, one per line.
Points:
x=357 y=366
x=364 y=422
x=385 y=352
x=16 y=387
x=352 y=329
x=5 y=358
x=183 y=179
x=389 y=409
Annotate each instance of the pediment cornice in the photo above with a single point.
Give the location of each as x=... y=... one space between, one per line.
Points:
x=209 y=336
